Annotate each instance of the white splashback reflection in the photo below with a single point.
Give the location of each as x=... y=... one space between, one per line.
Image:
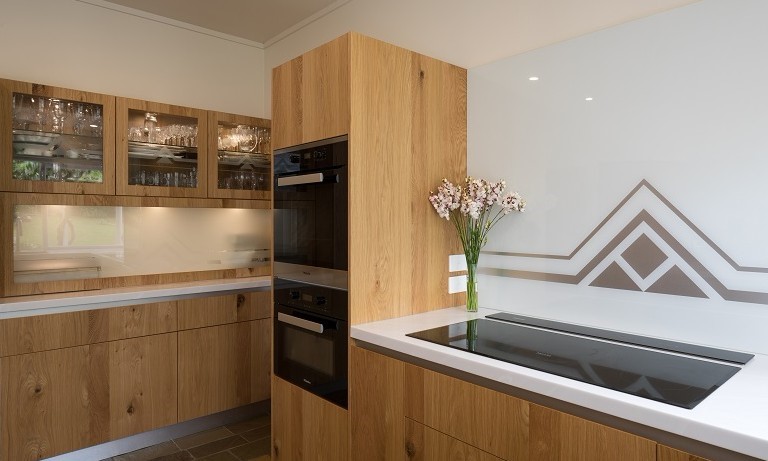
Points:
x=127 y=241
x=677 y=101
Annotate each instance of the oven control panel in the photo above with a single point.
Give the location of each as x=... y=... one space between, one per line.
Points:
x=324 y=300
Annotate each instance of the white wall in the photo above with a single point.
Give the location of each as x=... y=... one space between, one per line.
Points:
x=88 y=47
x=680 y=101
x=462 y=32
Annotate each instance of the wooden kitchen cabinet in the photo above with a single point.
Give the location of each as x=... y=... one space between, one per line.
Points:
x=665 y=453
x=399 y=407
x=56 y=140
x=240 y=165
x=306 y=427
x=142 y=384
x=558 y=436
x=489 y=420
x=162 y=149
x=38 y=333
x=219 y=310
x=54 y=401
x=223 y=367
x=310 y=95
x=423 y=443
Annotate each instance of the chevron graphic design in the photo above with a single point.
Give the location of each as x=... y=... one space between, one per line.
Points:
x=638 y=247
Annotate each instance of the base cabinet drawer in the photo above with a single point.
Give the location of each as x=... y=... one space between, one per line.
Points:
x=665 y=453
x=423 y=443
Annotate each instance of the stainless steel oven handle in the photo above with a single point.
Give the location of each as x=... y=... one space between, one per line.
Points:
x=312 y=178
x=301 y=323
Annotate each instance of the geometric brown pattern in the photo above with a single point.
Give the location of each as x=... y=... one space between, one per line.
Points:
x=644 y=256
x=615 y=277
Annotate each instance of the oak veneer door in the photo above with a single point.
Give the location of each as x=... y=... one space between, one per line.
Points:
x=489 y=420
x=53 y=402
x=665 y=453
x=325 y=90
x=557 y=436
x=426 y=444
x=376 y=399
x=223 y=367
x=142 y=376
x=306 y=427
x=286 y=104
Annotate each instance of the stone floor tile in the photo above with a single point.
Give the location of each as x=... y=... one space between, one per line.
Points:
x=201 y=438
x=180 y=456
x=257 y=434
x=217 y=446
x=222 y=456
x=253 y=450
x=149 y=453
x=250 y=424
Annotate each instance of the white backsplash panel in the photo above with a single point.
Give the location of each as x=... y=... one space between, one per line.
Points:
x=641 y=151
x=54 y=242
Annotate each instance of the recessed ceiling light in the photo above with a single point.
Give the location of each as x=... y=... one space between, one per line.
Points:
x=533 y=78
x=588 y=99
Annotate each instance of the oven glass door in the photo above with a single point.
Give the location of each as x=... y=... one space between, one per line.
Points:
x=311 y=352
x=310 y=219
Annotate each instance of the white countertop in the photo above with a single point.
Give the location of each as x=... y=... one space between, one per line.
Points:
x=23 y=306
x=734 y=417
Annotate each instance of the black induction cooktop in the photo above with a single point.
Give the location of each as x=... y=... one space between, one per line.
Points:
x=671 y=378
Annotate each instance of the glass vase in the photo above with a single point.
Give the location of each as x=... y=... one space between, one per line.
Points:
x=471 y=287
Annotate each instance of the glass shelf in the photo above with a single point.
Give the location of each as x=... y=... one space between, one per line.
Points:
x=151 y=164
x=243 y=161
x=45 y=156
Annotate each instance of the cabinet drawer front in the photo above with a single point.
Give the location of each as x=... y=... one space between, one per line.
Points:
x=423 y=443
x=208 y=311
x=494 y=422
x=56 y=331
x=558 y=436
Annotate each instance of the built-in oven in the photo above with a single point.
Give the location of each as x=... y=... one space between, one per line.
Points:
x=310 y=212
x=311 y=332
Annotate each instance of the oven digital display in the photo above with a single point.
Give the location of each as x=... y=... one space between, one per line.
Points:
x=306 y=298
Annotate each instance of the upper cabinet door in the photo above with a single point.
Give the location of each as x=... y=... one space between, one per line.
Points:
x=56 y=139
x=311 y=95
x=240 y=164
x=162 y=150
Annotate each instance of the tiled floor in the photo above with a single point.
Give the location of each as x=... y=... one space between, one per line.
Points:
x=245 y=441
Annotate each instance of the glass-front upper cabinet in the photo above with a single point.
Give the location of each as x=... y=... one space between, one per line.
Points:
x=56 y=140
x=161 y=149
x=242 y=166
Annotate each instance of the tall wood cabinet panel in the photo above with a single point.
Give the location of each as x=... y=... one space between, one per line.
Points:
x=310 y=95
x=423 y=443
x=33 y=136
x=125 y=107
x=143 y=384
x=53 y=402
x=407 y=131
x=306 y=427
x=223 y=367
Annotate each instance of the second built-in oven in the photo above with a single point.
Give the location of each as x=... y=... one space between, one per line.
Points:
x=310 y=212
x=311 y=332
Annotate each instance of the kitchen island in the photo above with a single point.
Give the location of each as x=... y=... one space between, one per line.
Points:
x=729 y=424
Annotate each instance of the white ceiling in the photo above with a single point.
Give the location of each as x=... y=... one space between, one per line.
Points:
x=480 y=26
x=255 y=20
